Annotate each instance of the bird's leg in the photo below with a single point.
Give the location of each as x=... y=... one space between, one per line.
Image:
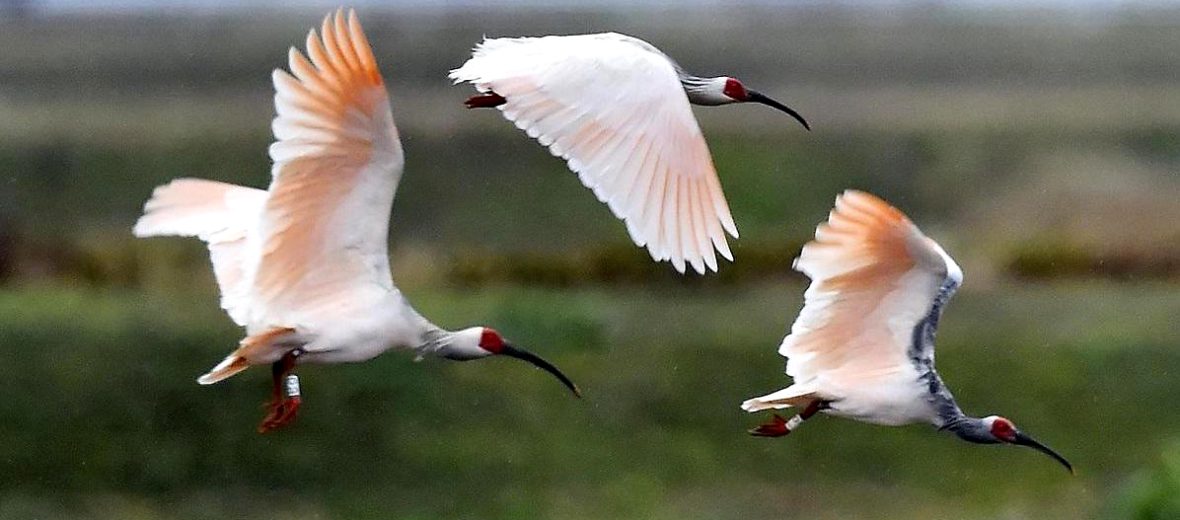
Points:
x=778 y=427
x=283 y=405
x=489 y=100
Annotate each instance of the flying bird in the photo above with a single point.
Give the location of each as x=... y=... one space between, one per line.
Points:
x=863 y=345
x=304 y=266
x=617 y=110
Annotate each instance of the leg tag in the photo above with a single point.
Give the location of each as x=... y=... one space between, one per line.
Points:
x=794 y=422
x=292 y=385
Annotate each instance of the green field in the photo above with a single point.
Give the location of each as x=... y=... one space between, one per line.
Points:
x=101 y=412
x=1041 y=150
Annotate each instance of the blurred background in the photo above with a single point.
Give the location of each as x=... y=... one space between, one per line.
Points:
x=1039 y=142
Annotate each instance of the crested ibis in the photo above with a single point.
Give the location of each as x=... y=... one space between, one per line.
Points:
x=303 y=265
x=863 y=344
x=617 y=110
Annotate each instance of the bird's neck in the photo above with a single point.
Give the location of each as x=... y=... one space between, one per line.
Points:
x=705 y=91
x=433 y=339
x=951 y=418
x=947 y=414
x=970 y=429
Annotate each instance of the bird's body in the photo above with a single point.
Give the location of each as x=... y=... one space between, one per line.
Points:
x=863 y=345
x=304 y=265
x=617 y=110
x=858 y=343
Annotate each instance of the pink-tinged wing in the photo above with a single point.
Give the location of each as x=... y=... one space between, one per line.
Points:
x=337 y=161
x=220 y=214
x=614 y=108
x=874 y=277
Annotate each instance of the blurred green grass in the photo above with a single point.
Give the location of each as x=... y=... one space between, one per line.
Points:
x=1154 y=493
x=101 y=411
x=1036 y=206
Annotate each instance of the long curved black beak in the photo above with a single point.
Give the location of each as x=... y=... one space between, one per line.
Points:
x=535 y=360
x=1025 y=440
x=758 y=97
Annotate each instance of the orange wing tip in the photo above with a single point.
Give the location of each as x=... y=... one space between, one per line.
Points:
x=341 y=52
x=363 y=49
x=344 y=39
x=870 y=204
x=856 y=215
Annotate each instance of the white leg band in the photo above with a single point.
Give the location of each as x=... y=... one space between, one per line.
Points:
x=794 y=422
x=292 y=385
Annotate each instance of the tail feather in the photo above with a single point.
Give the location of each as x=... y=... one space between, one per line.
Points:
x=232 y=364
x=785 y=398
x=251 y=347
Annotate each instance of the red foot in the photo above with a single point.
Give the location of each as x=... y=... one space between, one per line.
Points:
x=777 y=427
x=488 y=100
x=281 y=414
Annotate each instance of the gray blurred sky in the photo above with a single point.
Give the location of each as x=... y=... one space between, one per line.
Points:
x=213 y=6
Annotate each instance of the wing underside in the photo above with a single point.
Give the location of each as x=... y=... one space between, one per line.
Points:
x=337 y=162
x=876 y=280
x=614 y=109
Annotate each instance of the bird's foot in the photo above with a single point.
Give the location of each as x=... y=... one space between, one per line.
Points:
x=777 y=427
x=488 y=100
x=282 y=409
x=281 y=414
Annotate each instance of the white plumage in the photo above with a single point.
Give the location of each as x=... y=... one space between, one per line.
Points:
x=296 y=261
x=304 y=265
x=874 y=277
x=614 y=107
x=863 y=345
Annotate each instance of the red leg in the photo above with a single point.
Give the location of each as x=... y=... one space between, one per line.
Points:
x=778 y=427
x=488 y=100
x=283 y=408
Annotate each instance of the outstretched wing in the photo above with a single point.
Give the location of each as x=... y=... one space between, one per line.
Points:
x=878 y=286
x=614 y=108
x=221 y=215
x=875 y=277
x=337 y=161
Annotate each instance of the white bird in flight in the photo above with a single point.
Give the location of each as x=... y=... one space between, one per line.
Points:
x=617 y=109
x=863 y=345
x=303 y=266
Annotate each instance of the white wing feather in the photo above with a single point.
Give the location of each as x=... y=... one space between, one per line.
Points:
x=220 y=214
x=614 y=108
x=874 y=277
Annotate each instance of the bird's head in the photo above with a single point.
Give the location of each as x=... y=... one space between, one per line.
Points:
x=995 y=429
x=481 y=342
x=733 y=91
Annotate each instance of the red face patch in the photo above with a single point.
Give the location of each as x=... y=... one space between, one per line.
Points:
x=1002 y=428
x=491 y=341
x=735 y=90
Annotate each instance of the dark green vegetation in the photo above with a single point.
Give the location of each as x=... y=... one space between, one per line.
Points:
x=1041 y=150
x=100 y=407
